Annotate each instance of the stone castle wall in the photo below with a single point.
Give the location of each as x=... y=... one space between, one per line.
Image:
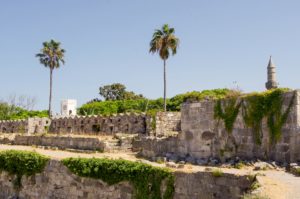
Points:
x=29 y=126
x=202 y=136
x=56 y=181
x=87 y=143
x=121 y=123
x=129 y=123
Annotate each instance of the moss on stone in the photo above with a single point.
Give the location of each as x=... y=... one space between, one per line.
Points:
x=146 y=179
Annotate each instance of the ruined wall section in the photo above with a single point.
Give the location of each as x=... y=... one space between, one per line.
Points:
x=28 y=126
x=128 y=123
x=203 y=136
x=56 y=181
x=102 y=125
x=12 y=126
x=60 y=142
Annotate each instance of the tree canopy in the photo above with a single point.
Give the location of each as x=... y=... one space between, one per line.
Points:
x=51 y=55
x=12 y=112
x=118 y=91
x=163 y=41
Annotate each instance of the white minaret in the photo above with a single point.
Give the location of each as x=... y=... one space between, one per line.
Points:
x=271 y=83
x=68 y=107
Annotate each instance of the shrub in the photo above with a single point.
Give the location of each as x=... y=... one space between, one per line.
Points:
x=146 y=105
x=11 y=112
x=145 y=178
x=217 y=173
x=297 y=171
x=120 y=106
x=206 y=94
x=21 y=163
x=239 y=165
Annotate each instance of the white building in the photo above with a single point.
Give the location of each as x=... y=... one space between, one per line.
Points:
x=68 y=107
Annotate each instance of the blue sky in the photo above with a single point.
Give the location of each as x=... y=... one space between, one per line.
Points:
x=107 y=41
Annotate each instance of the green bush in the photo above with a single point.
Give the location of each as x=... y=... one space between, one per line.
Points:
x=21 y=163
x=174 y=103
x=217 y=173
x=10 y=112
x=146 y=179
x=239 y=165
x=120 y=106
x=146 y=105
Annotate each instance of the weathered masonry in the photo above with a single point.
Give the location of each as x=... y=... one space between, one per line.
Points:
x=28 y=126
x=121 y=123
x=195 y=133
x=56 y=181
x=203 y=136
x=129 y=123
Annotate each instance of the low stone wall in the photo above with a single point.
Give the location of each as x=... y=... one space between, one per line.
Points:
x=61 y=142
x=56 y=181
x=117 y=143
x=205 y=185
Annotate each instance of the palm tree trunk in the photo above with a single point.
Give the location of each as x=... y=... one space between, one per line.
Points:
x=50 y=96
x=165 y=87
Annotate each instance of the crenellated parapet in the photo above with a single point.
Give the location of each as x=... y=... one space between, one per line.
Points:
x=29 y=126
x=131 y=123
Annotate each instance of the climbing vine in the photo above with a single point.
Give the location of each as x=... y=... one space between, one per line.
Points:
x=228 y=113
x=266 y=105
x=146 y=179
x=255 y=107
x=21 y=163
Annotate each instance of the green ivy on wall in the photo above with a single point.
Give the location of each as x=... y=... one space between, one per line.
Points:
x=266 y=105
x=21 y=163
x=255 y=107
x=146 y=179
x=227 y=110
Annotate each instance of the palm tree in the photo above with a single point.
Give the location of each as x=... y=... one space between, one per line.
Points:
x=163 y=41
x=51 y=56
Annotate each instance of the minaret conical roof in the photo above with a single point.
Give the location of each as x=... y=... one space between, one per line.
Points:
x=271 y=83
x=271 y=64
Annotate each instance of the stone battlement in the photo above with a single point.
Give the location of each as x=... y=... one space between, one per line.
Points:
x=129 y=123
x=29 y=126
x=193 y=134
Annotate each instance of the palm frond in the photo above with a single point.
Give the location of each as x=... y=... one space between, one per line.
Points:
x=165 y=28
x=51 y=54
x=163 y=41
